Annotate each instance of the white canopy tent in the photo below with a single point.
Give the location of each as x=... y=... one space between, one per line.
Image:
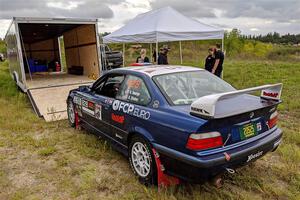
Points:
x=163 y=25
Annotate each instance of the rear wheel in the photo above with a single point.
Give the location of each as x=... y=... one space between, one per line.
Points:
x=142 y=160
x=71 y=113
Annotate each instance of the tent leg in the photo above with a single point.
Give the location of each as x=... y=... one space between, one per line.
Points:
x=224 y=54
x=123 y=54
x=223 y=44
x=151 y=57
x=180 y=50
x=156 y=52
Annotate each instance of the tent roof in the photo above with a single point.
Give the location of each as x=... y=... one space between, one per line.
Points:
x=162 y=25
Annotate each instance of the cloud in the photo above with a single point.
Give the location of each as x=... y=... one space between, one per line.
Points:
x=265 y=15
x=254 y=29
x=57 y=8
x=192 y=8
x=276 y=9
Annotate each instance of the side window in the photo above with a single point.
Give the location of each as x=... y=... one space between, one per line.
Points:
x=110 y=86
x=134 y=90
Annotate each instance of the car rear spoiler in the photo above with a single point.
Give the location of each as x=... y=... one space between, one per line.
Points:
x=206 y=106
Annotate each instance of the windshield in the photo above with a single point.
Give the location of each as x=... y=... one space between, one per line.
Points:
x=185 y=87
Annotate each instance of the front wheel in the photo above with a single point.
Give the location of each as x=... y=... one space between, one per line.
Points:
x=71 y=113
x=142 y=161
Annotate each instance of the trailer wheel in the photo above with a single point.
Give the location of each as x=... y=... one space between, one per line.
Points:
x=71 y=113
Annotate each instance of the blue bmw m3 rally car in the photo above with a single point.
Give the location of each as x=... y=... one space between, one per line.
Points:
x=198 y=124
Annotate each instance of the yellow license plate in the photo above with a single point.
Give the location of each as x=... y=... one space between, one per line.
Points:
x=247 y=131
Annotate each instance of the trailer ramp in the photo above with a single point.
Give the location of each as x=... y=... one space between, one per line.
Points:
x=50 y=102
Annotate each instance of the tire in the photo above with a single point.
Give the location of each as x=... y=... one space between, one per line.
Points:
x=147 y=174
x=71 y=113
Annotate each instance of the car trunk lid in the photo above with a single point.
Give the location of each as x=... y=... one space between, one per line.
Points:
x=237 y=115
x=236 y=128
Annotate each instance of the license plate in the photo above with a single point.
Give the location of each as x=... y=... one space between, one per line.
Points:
x=248 y=130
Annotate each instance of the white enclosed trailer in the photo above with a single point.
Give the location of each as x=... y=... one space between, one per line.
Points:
x=31 y=41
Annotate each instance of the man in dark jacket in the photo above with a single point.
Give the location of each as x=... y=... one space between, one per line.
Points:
x=163 y=56
x=219 y=59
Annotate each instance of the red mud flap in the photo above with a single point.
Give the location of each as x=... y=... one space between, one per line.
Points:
x=163 y=180
x=77 y=125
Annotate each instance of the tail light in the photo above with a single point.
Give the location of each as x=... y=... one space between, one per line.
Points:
x=273 y=119
x=201 y=141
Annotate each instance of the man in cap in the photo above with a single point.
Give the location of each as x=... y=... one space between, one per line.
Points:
x=163 y=56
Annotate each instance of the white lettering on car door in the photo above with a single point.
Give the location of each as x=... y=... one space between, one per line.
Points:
x=130 y=109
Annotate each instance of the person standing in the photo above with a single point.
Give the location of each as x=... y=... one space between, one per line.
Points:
x=163 y=56
x=210 y=59
x=142 y=58
x=219 y=59
x=154 y=56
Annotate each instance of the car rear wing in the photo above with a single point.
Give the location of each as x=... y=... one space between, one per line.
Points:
x=206 y=106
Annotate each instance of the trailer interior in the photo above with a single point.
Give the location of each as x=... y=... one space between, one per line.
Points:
x=58 y=54
x=57 y=58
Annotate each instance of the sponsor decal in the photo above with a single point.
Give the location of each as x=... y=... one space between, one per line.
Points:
x=77 y=100
x=91 y=105
x=130 y=109
x=78 y=107
x=258 y=126
x=271 y=94
x=254 y=155
x=87 y=110
x=84 y=103
x=88 y=107
x=199 y=110
x=118 y=118
x=108 y=101
x=98 y=111
x=155 y=104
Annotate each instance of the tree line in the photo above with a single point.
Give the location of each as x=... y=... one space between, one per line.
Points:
x=275 y=38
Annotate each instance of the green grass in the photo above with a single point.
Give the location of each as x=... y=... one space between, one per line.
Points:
x=41 y=160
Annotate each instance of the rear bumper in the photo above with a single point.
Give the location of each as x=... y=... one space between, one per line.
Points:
x=191 y=167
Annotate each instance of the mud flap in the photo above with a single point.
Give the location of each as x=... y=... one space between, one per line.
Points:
x=163 y=180
x=77 y=124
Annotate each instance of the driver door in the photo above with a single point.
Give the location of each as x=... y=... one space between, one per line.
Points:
x=104 y=94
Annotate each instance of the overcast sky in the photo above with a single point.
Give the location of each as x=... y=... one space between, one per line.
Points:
x=250 y=16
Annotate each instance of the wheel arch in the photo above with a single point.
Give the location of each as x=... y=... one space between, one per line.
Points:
x=138 y=131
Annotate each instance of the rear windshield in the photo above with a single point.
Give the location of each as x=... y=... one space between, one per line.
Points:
x=183 y=88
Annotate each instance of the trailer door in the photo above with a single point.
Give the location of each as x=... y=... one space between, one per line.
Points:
x=50 y=102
